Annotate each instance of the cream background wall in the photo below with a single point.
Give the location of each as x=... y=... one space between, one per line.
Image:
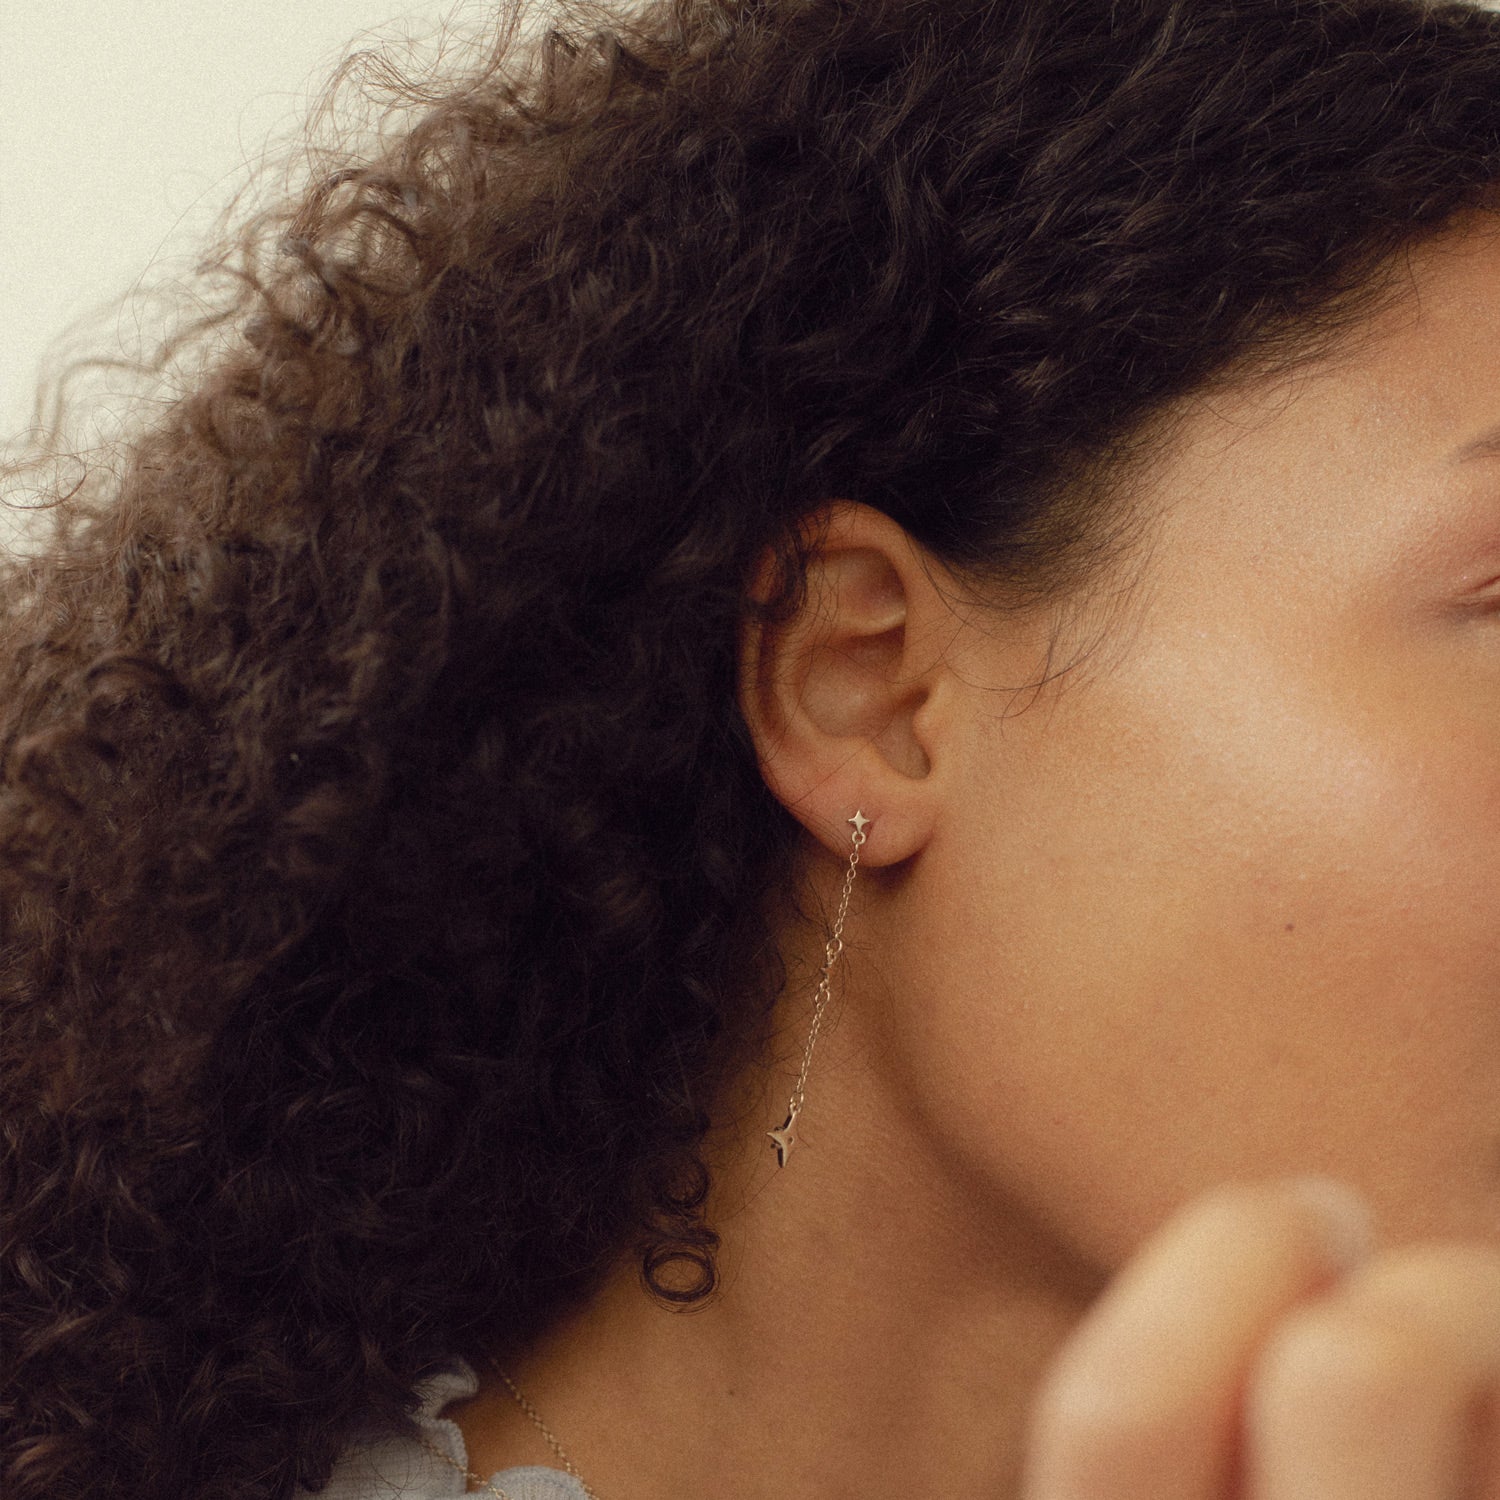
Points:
x=125 y=125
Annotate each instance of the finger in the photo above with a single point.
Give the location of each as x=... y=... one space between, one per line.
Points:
x=1143 y=1402
x=1380 y=1389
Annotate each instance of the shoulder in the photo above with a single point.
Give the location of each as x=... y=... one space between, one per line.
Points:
x=397 y=1466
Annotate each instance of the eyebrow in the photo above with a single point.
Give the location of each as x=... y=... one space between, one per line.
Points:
x=1486 y=445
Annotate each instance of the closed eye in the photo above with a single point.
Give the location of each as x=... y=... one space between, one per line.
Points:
x=1486 y=445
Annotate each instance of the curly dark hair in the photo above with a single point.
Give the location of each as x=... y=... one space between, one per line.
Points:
x=386 y=876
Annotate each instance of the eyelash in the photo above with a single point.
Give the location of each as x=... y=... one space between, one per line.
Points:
x=1487 y=599
x=1485 y=593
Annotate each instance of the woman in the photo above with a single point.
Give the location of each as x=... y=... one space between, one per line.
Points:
x=786 y=781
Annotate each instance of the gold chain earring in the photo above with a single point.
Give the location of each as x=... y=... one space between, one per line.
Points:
x=785 y=1138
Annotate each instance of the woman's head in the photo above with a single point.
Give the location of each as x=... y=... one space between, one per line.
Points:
x=1194 y=875
x=391 y=882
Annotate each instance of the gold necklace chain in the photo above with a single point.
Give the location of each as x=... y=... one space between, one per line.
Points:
x=546 y=1432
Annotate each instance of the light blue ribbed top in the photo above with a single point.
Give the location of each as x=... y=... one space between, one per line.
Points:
x=395 y=1467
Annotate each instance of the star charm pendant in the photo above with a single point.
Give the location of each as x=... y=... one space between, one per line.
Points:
x=859 y=820
x=785 y=1139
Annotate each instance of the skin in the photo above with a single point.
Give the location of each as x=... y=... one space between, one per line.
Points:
x=1213 y=906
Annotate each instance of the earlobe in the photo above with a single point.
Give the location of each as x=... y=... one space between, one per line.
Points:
x=838 y=698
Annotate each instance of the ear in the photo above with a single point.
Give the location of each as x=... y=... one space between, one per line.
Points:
x=846 y=701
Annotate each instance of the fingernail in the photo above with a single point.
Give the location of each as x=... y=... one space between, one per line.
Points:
x=1350 y=1224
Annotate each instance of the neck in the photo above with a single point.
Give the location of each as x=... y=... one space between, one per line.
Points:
x=874 y=1334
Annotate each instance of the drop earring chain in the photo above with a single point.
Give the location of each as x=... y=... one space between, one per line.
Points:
x=786 y=1137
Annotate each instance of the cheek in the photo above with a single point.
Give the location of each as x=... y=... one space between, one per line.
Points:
x=1260 y=933
x=1327 y=847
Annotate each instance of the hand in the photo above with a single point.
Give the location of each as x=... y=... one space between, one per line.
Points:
x=1254 y=1350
